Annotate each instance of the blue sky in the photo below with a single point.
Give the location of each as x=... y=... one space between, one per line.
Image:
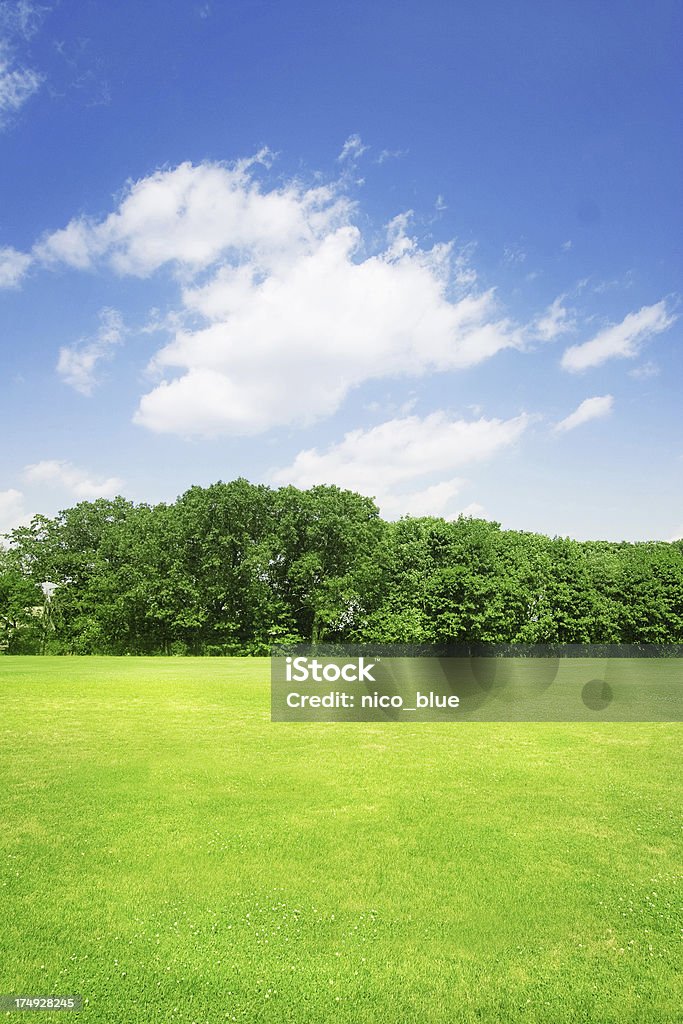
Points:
x=430 y=252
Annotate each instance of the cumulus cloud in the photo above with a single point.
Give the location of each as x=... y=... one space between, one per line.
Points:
x=286 y=308
x=77 y=482
x=394 y=460
x=13 y=266
x=554 y=322
x=77 y=363
x=623 y=340
x=12 y=512
x=590 y=409
x=288 y=348
x=190 y=216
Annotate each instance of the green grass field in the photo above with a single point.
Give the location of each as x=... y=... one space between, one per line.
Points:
x=172 y=855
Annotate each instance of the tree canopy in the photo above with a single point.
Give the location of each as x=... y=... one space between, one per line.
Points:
x=235 y=567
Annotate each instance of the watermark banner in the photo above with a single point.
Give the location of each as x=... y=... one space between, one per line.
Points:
x=505 y=683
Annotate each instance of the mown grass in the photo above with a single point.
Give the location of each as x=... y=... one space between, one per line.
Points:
x=172 y=855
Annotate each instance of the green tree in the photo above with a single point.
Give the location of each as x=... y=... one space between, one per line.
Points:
x=322 y=559
x=21 y=609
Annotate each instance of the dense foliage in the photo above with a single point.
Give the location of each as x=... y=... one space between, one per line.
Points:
x=235 y=567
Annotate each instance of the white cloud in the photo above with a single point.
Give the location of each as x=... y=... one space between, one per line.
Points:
x=622 y=340
x=75 y=245
x=590 y=409
x=514 y=254
x=292 y=311
x=72 y=479
x=18 y=21
x=191 y=216
x=435 y=500
x=77 y=363
x=290 y=347
x=389 y=461
x=12 y=512
x=474 y=510
x=352 y=148
x=554 y=321
x=21 y=17
x=17 y=85
x=644 y=371
x=390 y=154
x=13 y=266
x=616 y=283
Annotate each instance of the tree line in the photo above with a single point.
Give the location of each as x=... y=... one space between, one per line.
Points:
x=234 y=568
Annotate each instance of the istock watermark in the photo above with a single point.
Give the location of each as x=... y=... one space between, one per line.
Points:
x=478 y=683
x=304 y=669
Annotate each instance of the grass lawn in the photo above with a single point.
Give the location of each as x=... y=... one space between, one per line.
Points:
x=172 y=855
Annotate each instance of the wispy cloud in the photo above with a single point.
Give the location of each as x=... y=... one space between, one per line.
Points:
x=394 y=461
x=78 y=363
x=624 y=282
x=513 y=254
x=390 y=154
x=352 y=149
x=555 y=321
x=590 y=409
x=645 y=371
x=17 y=85
x=77 y=482
x=13 y=267
x=21 y=17
x=623 y=340
x=17 y=81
